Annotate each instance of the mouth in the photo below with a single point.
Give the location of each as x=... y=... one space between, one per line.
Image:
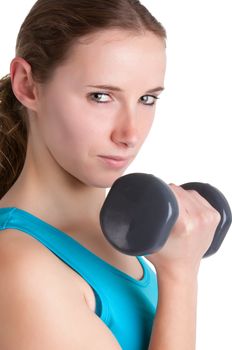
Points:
x=115 y=161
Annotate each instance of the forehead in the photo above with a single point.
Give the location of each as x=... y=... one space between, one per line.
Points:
x=119 y=44
x=116 y=56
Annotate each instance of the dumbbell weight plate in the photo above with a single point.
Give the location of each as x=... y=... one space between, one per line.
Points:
x=138 y=214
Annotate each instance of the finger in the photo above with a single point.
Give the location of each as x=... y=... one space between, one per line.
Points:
x=200 y=198
x=194 y=195
x=186 y=201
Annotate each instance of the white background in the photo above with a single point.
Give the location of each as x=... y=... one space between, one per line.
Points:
x=191 y=136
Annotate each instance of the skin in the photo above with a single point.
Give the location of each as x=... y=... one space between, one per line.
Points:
x=69 y=130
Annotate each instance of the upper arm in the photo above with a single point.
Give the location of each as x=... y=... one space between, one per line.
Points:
x=36 y=313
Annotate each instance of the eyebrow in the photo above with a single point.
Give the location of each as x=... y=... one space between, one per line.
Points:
x=115 y=88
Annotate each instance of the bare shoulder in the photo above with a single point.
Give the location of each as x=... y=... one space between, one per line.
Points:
x=20 y=251
x=37 y=311
x=27 y=256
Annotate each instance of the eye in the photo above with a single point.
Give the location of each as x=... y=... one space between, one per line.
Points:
x=97 y=96
x=153 y=97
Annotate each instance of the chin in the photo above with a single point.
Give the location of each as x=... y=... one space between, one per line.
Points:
x=104 y=181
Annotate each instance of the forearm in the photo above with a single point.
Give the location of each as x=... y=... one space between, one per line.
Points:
x=174 y=326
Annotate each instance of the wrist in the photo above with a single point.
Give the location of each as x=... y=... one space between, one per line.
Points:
x=178 y=273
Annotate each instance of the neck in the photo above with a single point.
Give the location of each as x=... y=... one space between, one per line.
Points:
x=57 y=198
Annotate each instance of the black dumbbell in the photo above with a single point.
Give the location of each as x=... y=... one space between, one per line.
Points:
x=140 y=210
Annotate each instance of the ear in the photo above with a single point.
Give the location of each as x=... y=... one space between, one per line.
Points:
x=22 y=82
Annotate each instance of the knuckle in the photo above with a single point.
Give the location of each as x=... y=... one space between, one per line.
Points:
x=185 y=228
x=208 y=216
x=205 y=216
x=183 y=225
x=216 y=216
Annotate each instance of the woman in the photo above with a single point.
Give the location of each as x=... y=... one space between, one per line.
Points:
x=82 y=90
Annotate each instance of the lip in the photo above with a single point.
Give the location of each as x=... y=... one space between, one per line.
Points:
x=115 y=157
x=115 y=161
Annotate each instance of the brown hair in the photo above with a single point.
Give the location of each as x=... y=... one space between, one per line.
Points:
x=44 y=40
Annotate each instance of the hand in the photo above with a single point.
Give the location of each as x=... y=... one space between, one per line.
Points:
x=191 y=235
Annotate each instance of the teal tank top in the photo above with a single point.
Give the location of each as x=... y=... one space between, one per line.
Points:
x=127 y=306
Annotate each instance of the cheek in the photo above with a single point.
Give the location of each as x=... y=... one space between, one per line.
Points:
x=70 y=129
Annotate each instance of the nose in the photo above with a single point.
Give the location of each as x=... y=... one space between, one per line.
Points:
x=126 y=129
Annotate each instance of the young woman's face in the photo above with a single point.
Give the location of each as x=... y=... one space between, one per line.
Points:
x=79 y=123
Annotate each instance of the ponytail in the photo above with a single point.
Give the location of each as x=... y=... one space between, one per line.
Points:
x=13 y=135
